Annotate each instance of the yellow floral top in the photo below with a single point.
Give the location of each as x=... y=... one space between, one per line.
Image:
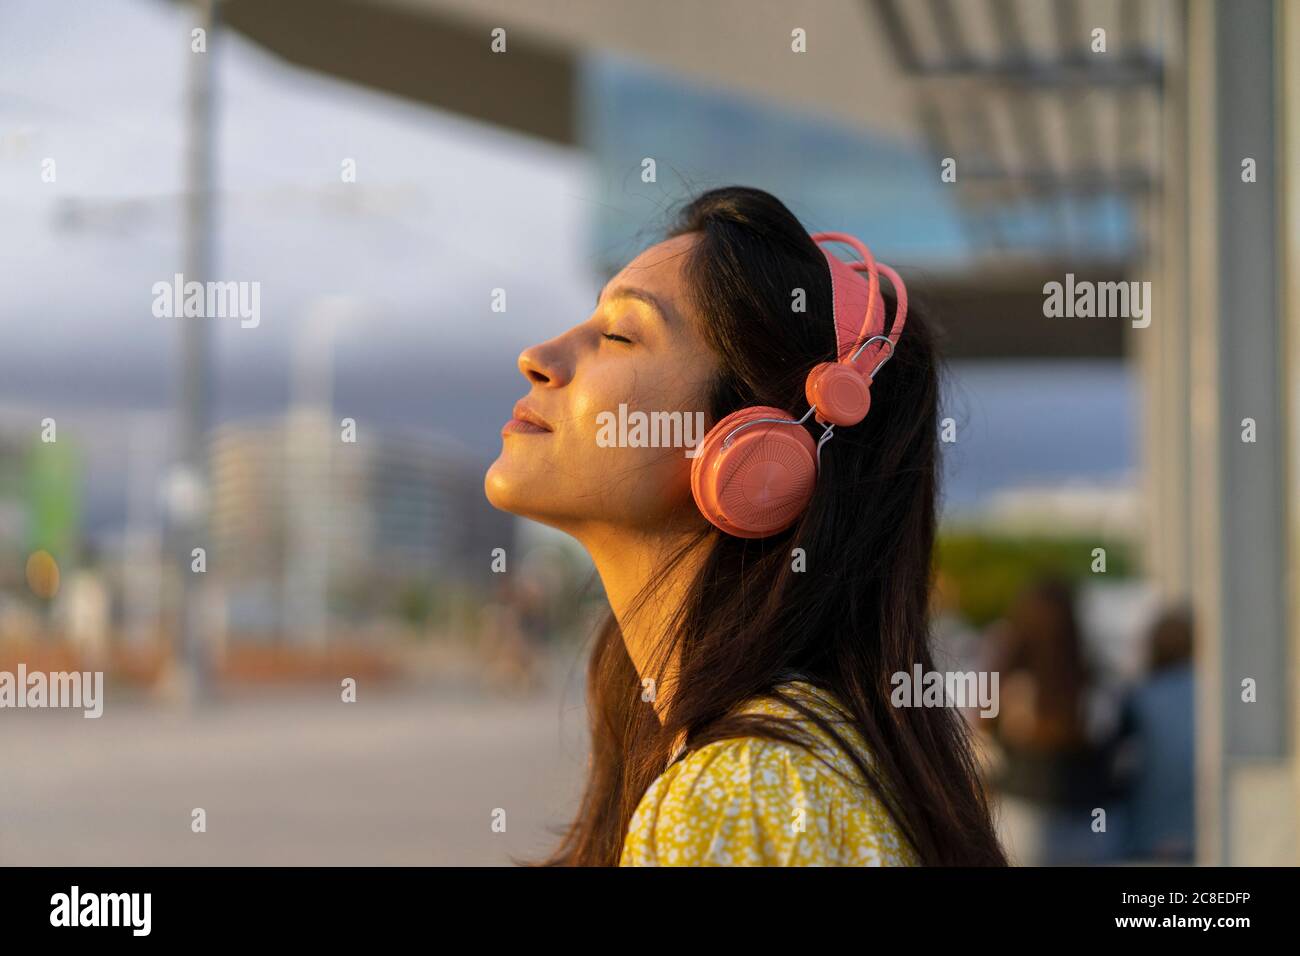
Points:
x=749 y=801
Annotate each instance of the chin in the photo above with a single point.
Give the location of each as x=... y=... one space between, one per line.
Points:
x=500 y=487
x=509 y=490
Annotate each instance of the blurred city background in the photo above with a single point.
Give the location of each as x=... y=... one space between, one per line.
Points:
x=1111 y=541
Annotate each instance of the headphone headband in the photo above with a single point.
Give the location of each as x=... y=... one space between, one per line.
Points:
x=859 y=308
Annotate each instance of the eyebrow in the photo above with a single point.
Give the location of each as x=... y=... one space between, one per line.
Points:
x=632 y=292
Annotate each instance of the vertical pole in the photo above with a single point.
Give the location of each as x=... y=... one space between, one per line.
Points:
x=190 y=513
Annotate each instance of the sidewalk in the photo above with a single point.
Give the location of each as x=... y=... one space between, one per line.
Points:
x=296 y=777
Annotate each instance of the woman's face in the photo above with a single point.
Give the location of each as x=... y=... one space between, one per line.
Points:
x=641 y=348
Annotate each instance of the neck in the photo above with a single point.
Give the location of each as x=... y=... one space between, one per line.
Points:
x=627 y=563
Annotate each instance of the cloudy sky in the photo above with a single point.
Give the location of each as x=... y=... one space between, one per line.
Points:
x=444 y=209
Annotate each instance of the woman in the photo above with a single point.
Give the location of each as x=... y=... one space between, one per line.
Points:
x=740 y=689
x=1053 y=769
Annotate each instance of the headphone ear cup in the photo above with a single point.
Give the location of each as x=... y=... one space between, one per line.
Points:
x=840 y=392
x=762 y=481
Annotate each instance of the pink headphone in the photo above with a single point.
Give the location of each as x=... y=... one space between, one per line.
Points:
x=753 y=474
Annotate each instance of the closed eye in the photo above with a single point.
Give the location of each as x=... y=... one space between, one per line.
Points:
x=617 y=338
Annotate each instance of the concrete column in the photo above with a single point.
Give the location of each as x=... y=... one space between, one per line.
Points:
x=1161 y=349
x=1288 y=39
x=1239 y=516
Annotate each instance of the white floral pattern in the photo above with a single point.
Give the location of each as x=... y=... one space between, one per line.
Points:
x=749 y=801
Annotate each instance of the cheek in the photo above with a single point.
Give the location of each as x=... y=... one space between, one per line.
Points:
x=648 y=465
x=594 y=466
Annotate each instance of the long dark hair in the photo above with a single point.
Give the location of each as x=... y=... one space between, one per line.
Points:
x=853 y=617
x=1043 y=638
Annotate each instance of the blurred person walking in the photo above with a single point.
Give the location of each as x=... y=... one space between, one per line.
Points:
x=1050 y=772
x=1158 y=724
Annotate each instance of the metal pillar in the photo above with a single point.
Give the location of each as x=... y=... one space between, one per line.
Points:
x=191 y=486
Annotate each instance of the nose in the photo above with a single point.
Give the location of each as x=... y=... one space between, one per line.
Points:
x=544 y=364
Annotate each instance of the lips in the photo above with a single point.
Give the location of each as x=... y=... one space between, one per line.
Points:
x=526 y=416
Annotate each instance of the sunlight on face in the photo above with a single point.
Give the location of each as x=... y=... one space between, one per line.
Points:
x=640 y=348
